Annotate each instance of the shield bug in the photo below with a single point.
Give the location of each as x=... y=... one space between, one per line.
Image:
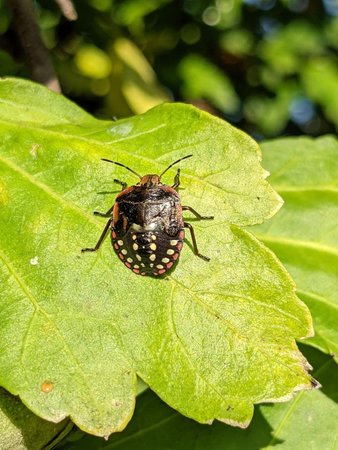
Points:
x=146 y=223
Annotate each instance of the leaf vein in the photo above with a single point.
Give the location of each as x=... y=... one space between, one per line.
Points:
x=187 y=353
x=37 y=308
x=297 y=243
x=48 y=190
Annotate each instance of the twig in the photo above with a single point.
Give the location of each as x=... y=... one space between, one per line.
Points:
x=36 y=53
x=67 y=8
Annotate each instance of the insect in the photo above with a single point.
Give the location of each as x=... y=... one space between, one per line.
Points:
x=146 y=223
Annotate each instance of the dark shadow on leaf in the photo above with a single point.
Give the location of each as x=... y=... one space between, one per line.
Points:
x=325 y=370
x=156 y=426
x=35 y=432
x=108 y=192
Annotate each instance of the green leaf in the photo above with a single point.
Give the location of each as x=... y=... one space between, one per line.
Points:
x=285 y=49
x=203 y=79
x=20 y=429
x=211 y=339
x=133 y=79
x=271 y=113
x=320 y=79
x=304 y=234
x=309 y=421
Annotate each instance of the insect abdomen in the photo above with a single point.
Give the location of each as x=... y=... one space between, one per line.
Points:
x=148 y=252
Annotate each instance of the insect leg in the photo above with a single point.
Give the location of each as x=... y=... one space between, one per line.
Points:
x=122 y=183
x=196 y=214
x=194 y=243
x=176 y=179
x=99 y=242
x=106 y=214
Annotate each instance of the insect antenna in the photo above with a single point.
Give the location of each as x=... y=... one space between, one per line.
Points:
x=181 y=159
x=122 y=165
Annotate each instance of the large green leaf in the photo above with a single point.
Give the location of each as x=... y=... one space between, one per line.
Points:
x=211 y=339
x=304 y=234
x=309 y=421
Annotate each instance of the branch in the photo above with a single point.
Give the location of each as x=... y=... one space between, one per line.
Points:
x=30 y=39
x=67 y=8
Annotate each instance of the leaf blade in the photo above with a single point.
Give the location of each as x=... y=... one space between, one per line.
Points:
x=95 y=320
x=304 y=234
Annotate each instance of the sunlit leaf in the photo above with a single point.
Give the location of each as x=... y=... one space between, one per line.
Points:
x=202 y=79
x=320 y=78
x=289 y=45
x=271 y=113
x=211 y=339
x=93 y=62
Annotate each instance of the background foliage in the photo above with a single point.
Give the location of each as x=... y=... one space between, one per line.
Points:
x=268 y=66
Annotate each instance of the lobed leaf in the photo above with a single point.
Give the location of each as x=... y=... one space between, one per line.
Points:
x=211 y=339
x=308 y=421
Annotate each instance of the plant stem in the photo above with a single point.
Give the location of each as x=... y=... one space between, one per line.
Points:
x=37 y=55
x=67 y=8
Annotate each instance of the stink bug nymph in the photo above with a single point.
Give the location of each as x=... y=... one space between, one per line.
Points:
x=146 y=224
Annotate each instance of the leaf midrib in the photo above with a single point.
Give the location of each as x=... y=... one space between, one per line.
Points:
x=32 y=108
x=317 y=297
x=284 y=189
x=66 y=203
x=146 y=159
x=35 y=182
x=296 y=242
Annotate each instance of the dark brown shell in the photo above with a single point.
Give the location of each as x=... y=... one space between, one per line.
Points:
x=147 y=228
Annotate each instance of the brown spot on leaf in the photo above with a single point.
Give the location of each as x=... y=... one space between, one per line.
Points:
x=47 y=387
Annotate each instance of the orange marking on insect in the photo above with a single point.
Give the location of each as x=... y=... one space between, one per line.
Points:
x=161 y=271
x=155 y=273
x=121 y=256
x=181 y=235
x=116 y=246
x=128 y=265
x=113 y=234
x=125 y=223
x=169 y=265
x=125 y=191
x=136 y=270
x=175 y=256
x=116 y=212
x=179 y=246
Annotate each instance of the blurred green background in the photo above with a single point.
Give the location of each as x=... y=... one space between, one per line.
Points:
x=267 y=66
